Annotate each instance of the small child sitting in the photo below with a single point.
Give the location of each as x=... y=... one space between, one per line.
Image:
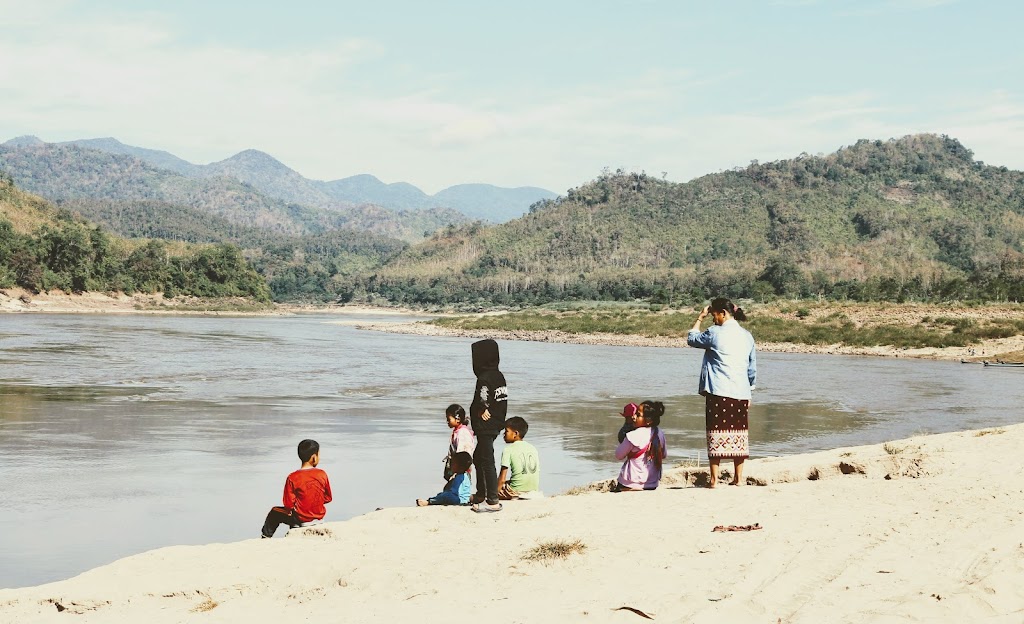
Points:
x=520 y=464
x=458 y=489
x=306 y=491
x=629 y=419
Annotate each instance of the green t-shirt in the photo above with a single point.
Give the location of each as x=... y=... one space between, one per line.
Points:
x=523 y=465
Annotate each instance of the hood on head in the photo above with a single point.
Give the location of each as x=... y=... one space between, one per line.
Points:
x=485 y=356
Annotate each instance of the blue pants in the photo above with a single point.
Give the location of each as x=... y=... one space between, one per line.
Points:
x=445 y=498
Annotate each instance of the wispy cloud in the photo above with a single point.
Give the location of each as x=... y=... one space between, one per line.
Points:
x=882 y=7
x=335 y=109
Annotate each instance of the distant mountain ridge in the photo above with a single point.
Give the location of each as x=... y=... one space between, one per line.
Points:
x=275 y=179
x=71 y=172
x=912 y=218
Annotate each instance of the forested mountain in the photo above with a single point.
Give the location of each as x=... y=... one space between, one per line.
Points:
x=276 y=181
x=65 y=172
x=915 y=217
x=323 y=267
x=909 y=218
x=157 y=158
x=45 y=248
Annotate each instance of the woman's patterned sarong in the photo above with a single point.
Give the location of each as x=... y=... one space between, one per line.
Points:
x=726 y=424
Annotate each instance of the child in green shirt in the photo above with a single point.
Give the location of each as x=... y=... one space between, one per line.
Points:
x=520 y=464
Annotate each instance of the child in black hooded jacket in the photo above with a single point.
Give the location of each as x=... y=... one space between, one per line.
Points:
x=487 y=415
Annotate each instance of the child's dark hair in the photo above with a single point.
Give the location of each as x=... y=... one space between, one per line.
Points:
x=455 y=411
x=461 y=462
x=307 y=449
x=653 y=411
x=721 y=304
x=518 y=425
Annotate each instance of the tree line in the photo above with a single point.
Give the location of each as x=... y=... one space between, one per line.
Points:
x=66 y=253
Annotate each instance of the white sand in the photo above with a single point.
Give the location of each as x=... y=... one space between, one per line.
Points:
x=942 y=540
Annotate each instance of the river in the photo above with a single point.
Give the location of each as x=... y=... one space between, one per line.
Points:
x=119 y=434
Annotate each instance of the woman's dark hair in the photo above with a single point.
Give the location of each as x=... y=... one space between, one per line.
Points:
x=653 y=411
x=307 y=449
x=721 y=304
x=455 y=411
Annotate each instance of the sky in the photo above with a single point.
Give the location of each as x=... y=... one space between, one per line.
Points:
x=528 y=93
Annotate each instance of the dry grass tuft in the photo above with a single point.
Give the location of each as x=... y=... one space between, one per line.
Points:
x=598 y=486
x=318 y=531
x=555 y=549
x=207 y=605
x=985 y=432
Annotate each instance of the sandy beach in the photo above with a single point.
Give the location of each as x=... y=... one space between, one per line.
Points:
x=17 y=300
x=924 y=529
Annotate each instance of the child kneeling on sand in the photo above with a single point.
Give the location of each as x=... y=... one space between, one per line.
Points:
x=520 y=464
x=306 y=491
x=458 y=489
x=643 y=449
x=462 y=438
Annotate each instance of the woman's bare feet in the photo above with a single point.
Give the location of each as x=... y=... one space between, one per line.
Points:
x=713 y=472
x=738 y=477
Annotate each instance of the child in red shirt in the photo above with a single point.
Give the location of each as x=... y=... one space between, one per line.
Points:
x=306 y=491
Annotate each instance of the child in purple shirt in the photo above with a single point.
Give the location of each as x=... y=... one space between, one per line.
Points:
x=643 y=450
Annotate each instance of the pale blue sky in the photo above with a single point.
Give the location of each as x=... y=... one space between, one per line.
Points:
x=513 y=94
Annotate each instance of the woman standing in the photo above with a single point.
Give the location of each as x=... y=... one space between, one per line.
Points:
x=726 y=378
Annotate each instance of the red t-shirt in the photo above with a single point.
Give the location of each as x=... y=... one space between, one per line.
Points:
x=306 y=491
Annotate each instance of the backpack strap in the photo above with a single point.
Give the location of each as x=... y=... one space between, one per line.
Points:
x=639 y=452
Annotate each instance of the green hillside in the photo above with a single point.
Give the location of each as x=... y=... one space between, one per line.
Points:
x=46 y=248
x=915 y=218
x=909 y=218
x=323 y=267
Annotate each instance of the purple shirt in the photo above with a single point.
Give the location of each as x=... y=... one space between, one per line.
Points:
x=638 y=472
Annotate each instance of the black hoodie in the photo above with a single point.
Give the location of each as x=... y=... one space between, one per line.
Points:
x=491 y=394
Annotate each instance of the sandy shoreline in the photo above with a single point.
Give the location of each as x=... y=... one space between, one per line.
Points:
x=990 y=347
x=17 y=300
x=924 y=529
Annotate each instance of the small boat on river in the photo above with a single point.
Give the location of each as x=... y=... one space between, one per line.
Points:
x=1005 y=364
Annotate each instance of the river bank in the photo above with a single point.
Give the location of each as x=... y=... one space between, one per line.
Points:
x=892 y=532
x=1003 y=348
x=1011 y=348
x=17 y=300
